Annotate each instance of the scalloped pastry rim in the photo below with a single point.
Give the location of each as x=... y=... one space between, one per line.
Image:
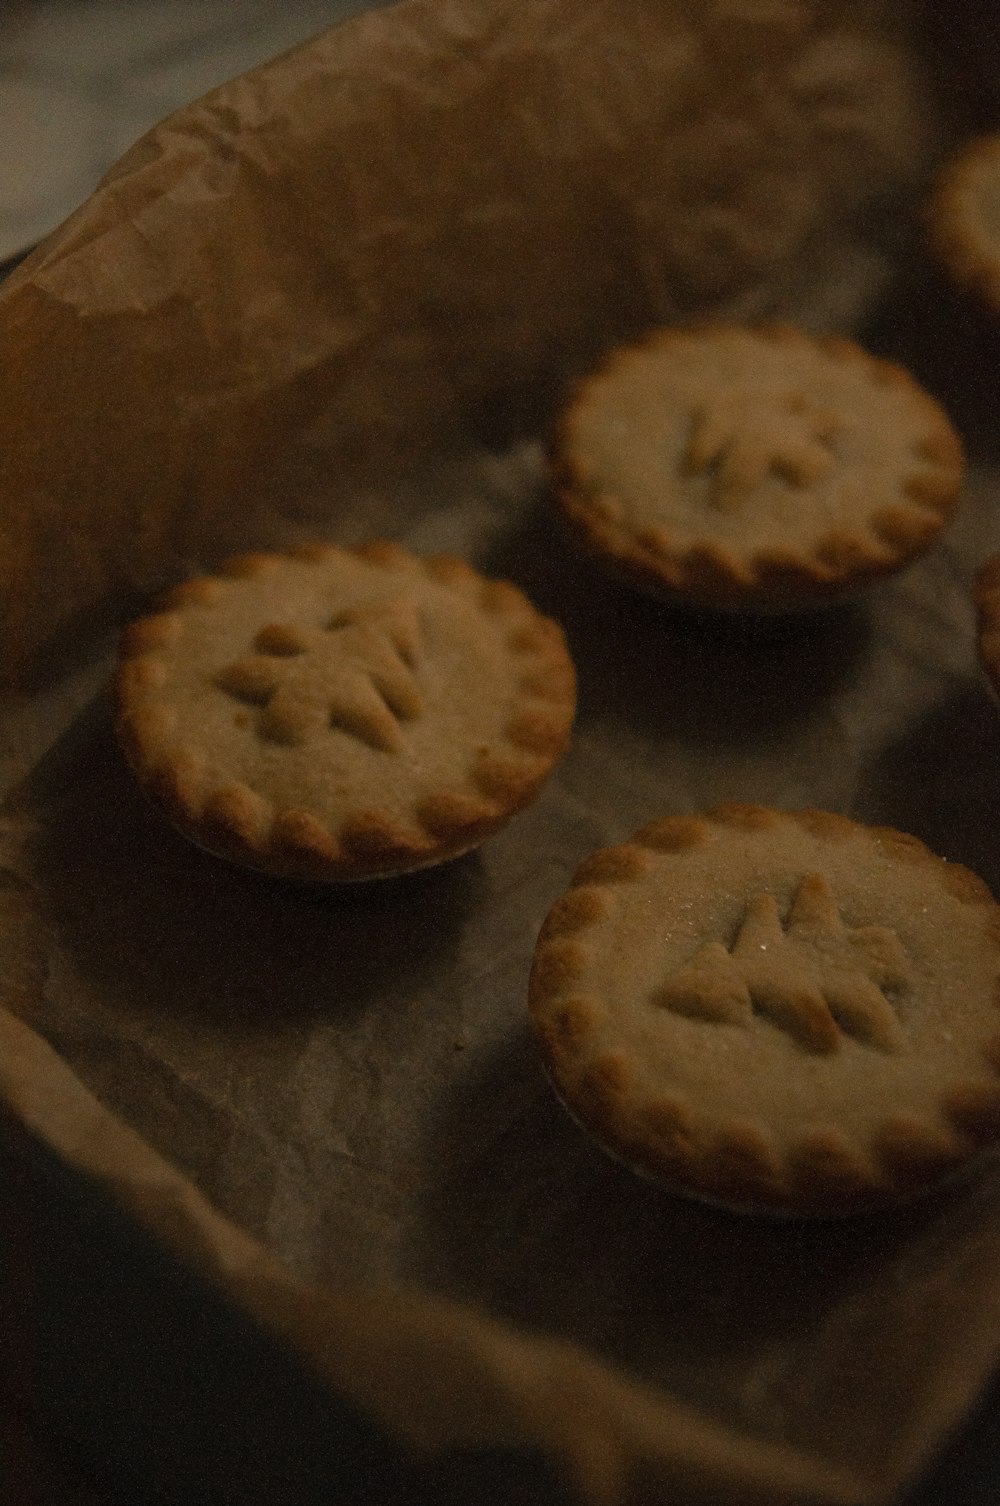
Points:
x=227 y=820
x=807 y=1179
x=707 y=575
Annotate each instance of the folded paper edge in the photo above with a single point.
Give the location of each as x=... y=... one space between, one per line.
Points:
x=435 y=1374
x=44 y=333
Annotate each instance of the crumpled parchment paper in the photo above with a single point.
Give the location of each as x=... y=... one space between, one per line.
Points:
x=343 y=295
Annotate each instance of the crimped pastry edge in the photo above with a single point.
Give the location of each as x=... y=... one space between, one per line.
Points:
x=889 y=1177
x=963 y=1173
x=706 y=575
x=226 y=820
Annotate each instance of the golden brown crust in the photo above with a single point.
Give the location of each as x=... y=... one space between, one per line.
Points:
x=672 y=834
x=300 y=846
x=379 y=840
x=202 y=591
x=613 y=865
x=509 y=779
x=454 y=572
x=453 y=814
x=693 y=463
x=537 y=729
x=339 y=714
x=746 y=817
x=558 y=963
x=580 y=908
x=778 y=1011
x=237 y=816
x=827 y=824
x=149 y=634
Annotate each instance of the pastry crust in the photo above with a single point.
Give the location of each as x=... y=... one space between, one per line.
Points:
x=783 y=1012
x=963 y=218
x=754 y=468
x=339 y=714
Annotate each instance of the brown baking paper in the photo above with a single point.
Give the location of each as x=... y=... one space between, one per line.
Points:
x=343 y=295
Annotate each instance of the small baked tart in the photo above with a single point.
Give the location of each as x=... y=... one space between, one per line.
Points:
x=338 y=714
x=783 y=1012
x=963 y=218
x=753 y=468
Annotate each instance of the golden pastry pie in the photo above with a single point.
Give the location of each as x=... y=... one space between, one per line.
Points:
x=344 y=713
x=753 y=468
x=776 y=1011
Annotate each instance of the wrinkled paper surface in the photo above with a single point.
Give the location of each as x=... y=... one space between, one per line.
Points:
x=342 y=295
